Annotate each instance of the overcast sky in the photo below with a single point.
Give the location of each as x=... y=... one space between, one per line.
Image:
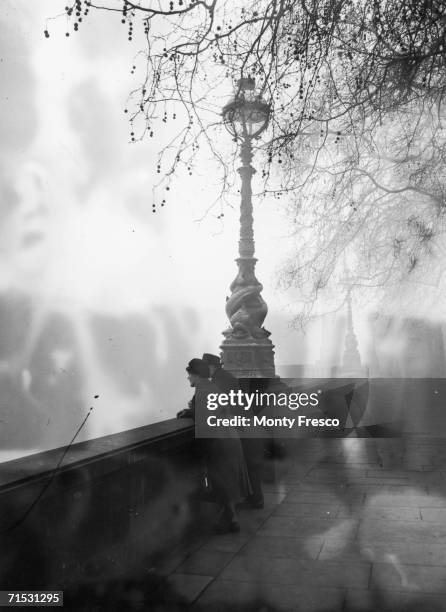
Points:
x=78 y=233
x=79 y=238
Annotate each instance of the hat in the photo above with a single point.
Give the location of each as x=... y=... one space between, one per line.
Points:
x=198 y=367
x=211 y=360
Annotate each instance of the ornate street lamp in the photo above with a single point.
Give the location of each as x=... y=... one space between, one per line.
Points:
x=247 y=350
x=351 y=362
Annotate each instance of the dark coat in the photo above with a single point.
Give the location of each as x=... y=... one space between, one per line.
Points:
x=225 y=381
x=226 y=467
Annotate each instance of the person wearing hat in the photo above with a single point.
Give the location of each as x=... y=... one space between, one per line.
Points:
x=224 y=380
x=200 y=367
x=252 y=447
x=225 y=463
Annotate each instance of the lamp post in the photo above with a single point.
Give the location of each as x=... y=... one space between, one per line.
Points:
x=352 y=359
x=351 y=362
x=247 y=350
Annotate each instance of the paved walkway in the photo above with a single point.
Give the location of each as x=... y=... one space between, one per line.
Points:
x=347 y=525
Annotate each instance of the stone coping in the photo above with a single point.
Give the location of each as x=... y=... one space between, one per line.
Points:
x=160 y=437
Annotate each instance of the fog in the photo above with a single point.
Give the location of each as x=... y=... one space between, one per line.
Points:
x=102 y=302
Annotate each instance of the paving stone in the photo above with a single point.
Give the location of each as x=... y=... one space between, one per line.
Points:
x=323 y=471
x=231 y=542
x=380 y=481
x=423 y=553
x=392 y=474
x=412 y=500
x=276 y=487
x=324 y=497
x=360 y=600
x=170 y=564
x=294 y=598
x=327 y=479
x=438 y=489
x=293 y=480
x=205 y=562
x=306 y=573
x=347 y=470
x=252 y=520
x=341 y=549
x=254 y=517
x=299 y=527
x=359 y=461
x=315 y=487
x=412 y=578
x=371 y=530
x=297 y=473
x=230 y=596
x=294 y=476
x=433 y=514
x=362 y=463
x=371 y=489
x=304 y=486
x=307 y=510
x=417 y=553
x=282 y=547
x=399 y=513
x=336 y=467
x=422 y=602
x=186 y=587
x=224 y=595
x=274 y=498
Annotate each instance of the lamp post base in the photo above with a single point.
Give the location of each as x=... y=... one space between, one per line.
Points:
x=248 y=358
